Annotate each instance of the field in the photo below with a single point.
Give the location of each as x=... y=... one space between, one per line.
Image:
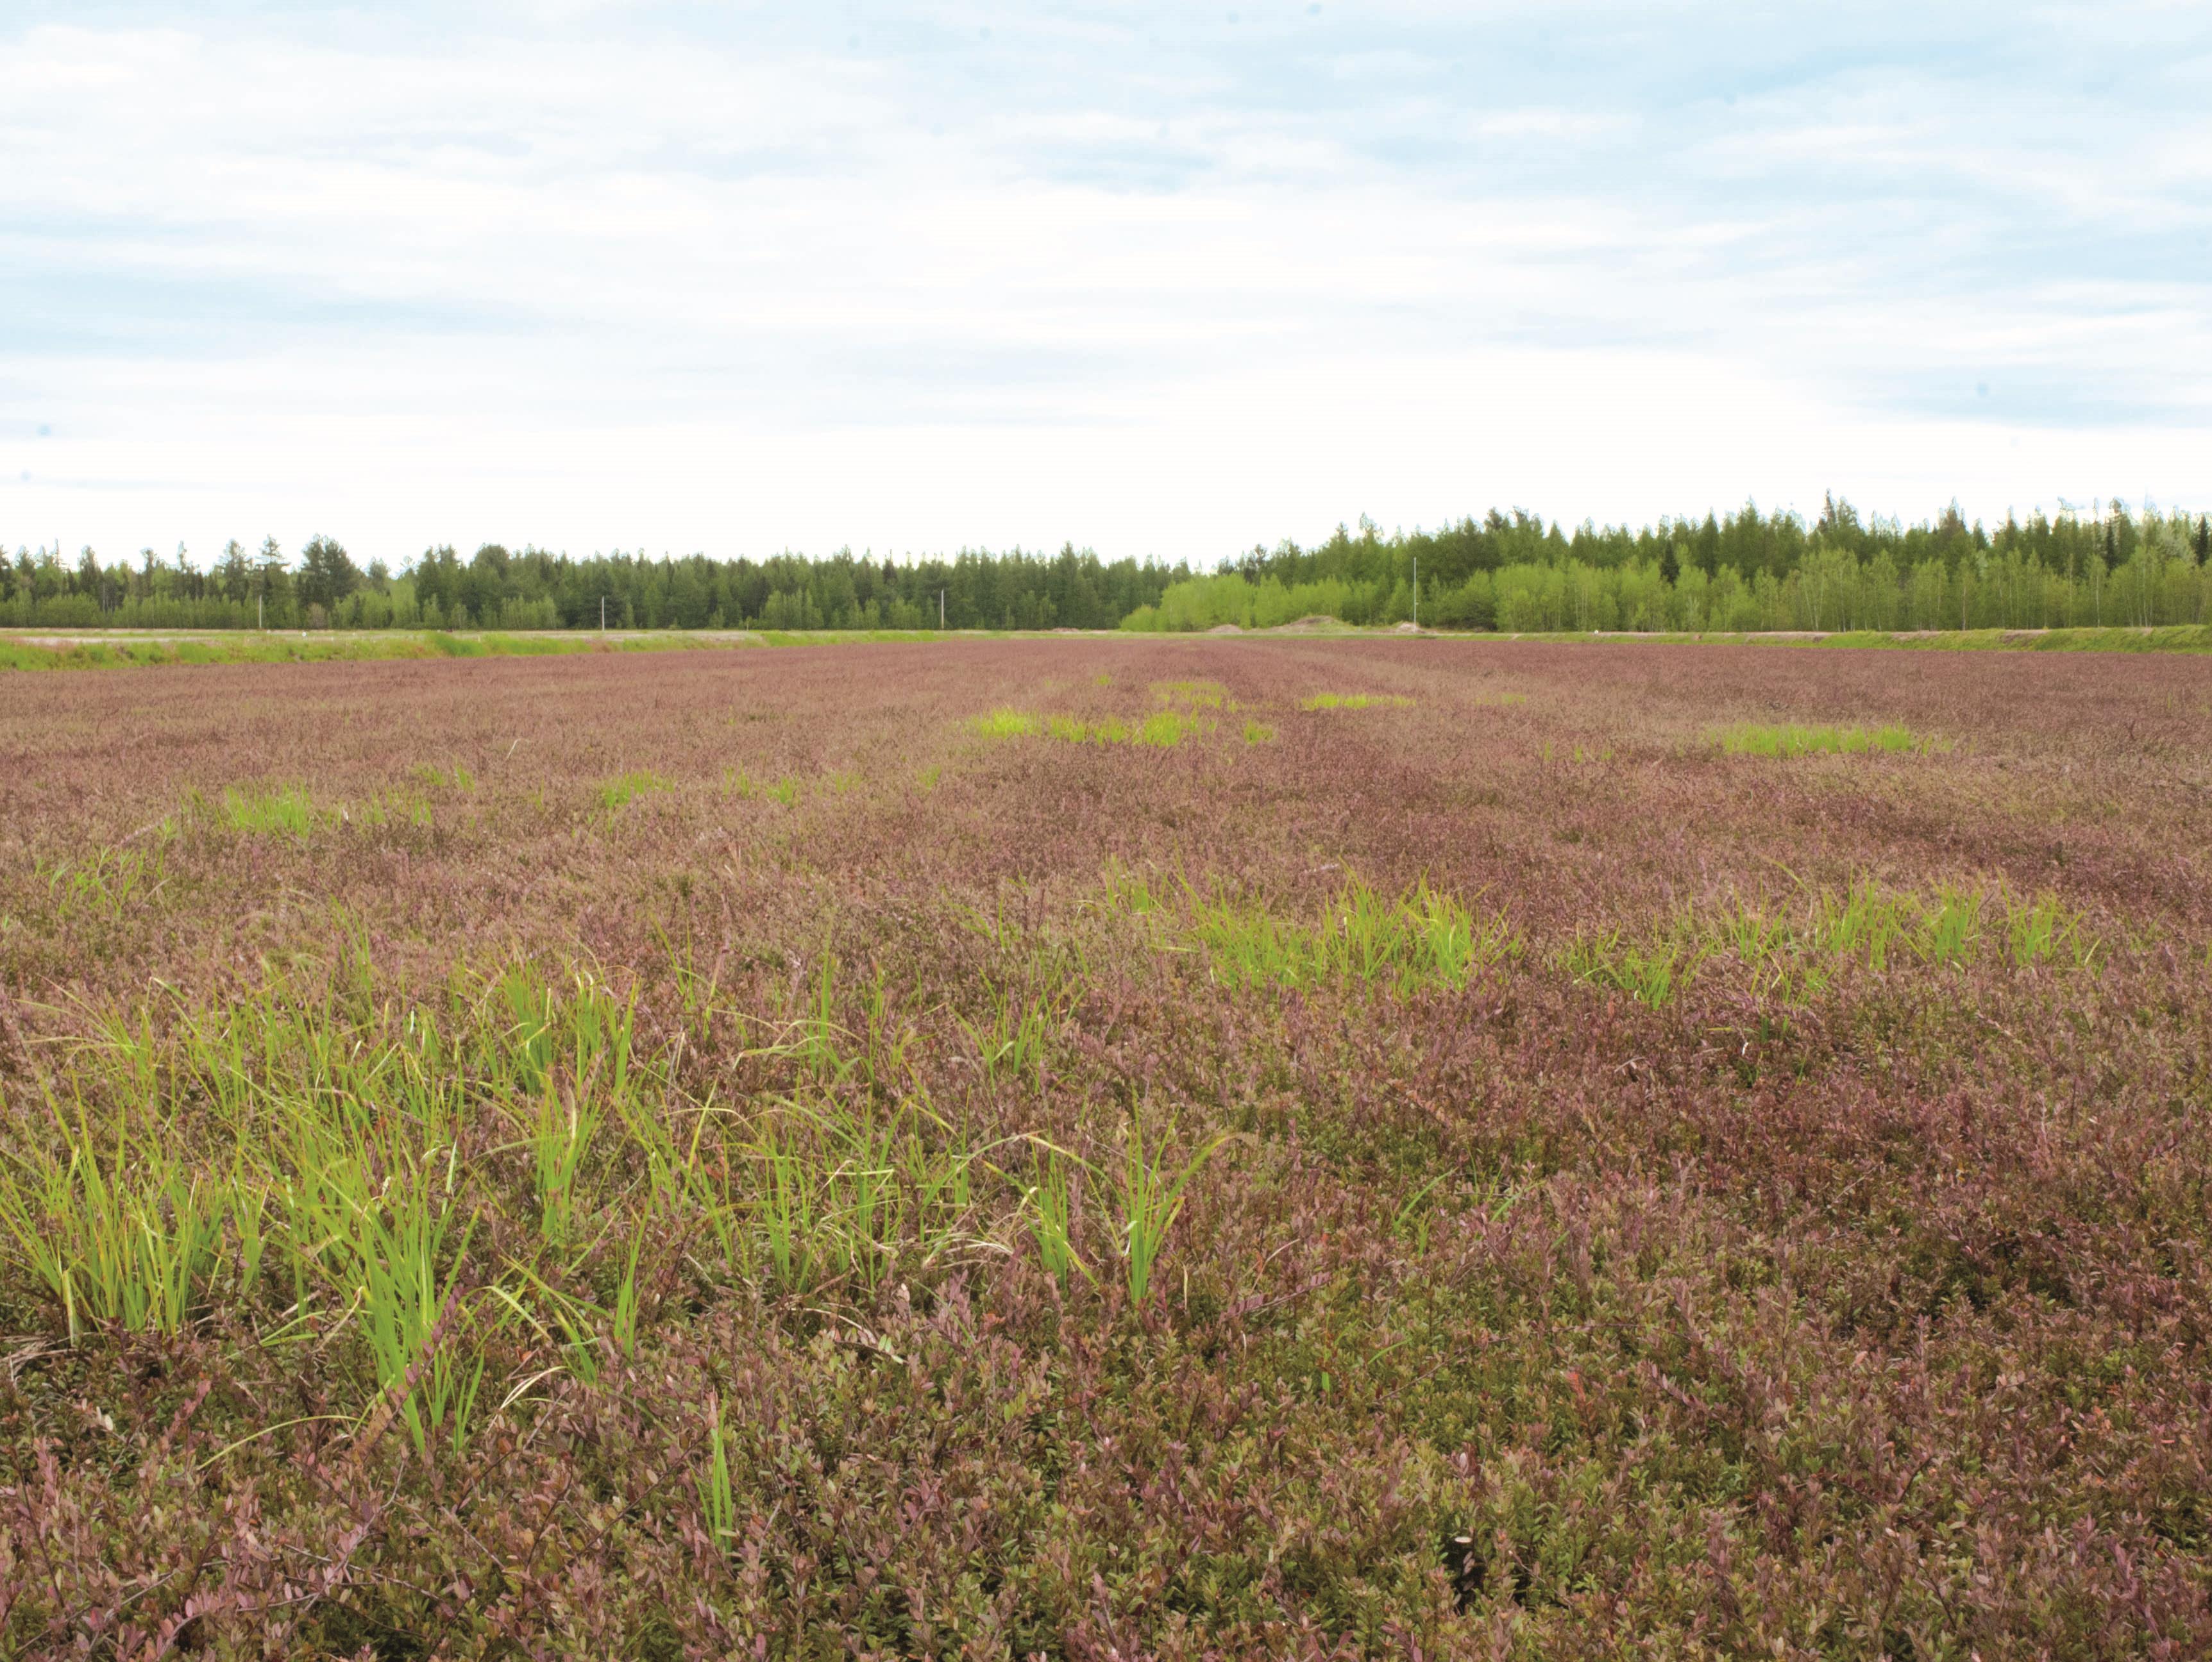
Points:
x=1107 y=1149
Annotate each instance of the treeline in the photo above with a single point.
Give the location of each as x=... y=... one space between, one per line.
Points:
x=1750 y=571
x=533 y=589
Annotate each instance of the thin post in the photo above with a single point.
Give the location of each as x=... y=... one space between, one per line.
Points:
x=1417 y=591
x=940 y=611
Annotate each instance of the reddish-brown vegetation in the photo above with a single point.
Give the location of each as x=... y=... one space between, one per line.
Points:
x=1062 y=1191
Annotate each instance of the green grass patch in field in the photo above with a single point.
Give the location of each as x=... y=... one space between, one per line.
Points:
x=104 y=883
x=1006 y=723
x=264 y=809
x=625 y=789
x=1651 y=974
x=1356 y=701
x=395 y=808
x=1072 y=729
x=327 y=1182
x=1133 y=892
x=1794 y=954
x=784 y=790
x=1258 y=732
x=1425 y=937
x=456 y=778
x=125 y=1236
x=2045 y=929
x=1165 y=729
x=1789 y=739
x=1191 y=695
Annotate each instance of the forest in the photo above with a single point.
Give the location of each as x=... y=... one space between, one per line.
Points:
x=1748 y=571
x=533 y=589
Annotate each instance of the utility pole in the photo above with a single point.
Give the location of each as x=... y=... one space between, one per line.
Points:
x=940 y=611
x=602 y=614
x=1417 y=591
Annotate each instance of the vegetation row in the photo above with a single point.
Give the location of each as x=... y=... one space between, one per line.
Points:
x=1749 y=572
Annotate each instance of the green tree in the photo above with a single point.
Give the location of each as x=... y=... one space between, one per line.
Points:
x=327 y=573
x=272 y=585
x=233 y=573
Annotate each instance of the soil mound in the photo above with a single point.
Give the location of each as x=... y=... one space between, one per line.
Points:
x=1311 y=623
x=1225 y=628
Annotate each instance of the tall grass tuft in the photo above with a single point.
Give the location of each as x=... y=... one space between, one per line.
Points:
x=573 y=1062
x=718 y=1503
x=1650 y=975
x=456 y=778
x=1425 y=937
x=130 y=1242
x=263 y=810
x=842 y=1195
x=103 y=884
x=2043 y=928
x=625 y=789
x=1052 y=1204
x=1952 y=925
x=413 y=1310
x=1151 y=1199
x=1011 y=1045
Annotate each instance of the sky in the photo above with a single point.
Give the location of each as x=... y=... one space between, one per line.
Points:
x=1163 y=281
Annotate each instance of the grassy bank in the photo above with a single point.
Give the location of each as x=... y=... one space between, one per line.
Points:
x=2173 y=638
x=84 y=650
x=80 y=650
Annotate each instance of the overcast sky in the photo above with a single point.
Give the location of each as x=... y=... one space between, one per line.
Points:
x=1158 y=279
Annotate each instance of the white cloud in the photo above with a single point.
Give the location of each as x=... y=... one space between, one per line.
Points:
x=603 y=275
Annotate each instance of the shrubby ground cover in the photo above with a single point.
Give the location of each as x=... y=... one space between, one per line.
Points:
x=858 y=1152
